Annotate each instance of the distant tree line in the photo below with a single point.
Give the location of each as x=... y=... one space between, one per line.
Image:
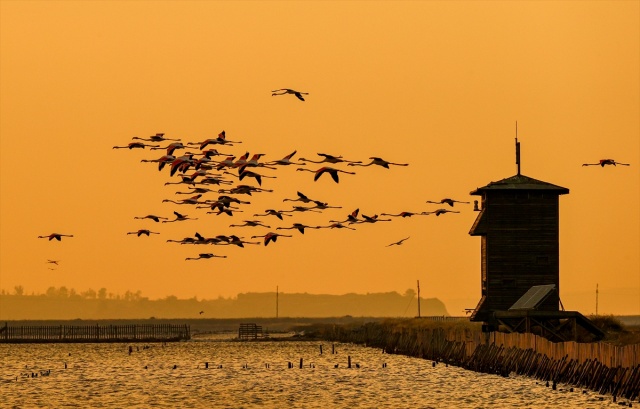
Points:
x=63 y=303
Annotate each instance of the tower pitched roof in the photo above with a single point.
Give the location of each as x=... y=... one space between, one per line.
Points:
x=520 y=182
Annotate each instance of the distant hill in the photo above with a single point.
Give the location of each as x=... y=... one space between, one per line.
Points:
x=67 y=305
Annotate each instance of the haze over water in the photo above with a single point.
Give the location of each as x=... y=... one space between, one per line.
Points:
x=257 y=375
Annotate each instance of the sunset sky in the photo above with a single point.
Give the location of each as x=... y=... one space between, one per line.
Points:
x=439 y=85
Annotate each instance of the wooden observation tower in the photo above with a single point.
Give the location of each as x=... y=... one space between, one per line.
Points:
x=518 y=225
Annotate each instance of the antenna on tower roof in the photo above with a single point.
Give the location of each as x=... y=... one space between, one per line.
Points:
x=517 y=150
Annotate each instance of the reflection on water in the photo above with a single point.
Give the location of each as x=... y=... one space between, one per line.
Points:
x=252 y=374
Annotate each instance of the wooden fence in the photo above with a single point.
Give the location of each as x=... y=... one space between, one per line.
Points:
x=94 y=333
x=249 y=331
x=601 y=367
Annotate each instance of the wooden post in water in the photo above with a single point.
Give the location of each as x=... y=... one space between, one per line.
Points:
x=300 y=363
x=349 y=361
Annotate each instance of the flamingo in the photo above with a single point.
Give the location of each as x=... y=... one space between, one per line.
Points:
x=222 y=139
x=272 y=212
x=377 y=161
x=298 y=226
x=186 y=180
x=286 y=160
x=372 y=219
x=227 y=211
x=226 y=163
x=351 y=218
x=253 y=162
x=53 y=262
x=603 y=162
x=134 y=145
x=186 y=240
x=56 y=236
x=143 y=231
x=323 y=205
x=214 y=180
x=442 y=211
x=158 y=137
x=171 y=147
x=336 y=226
x=191 y=200
x=332 y=171
x=404 y=214
x=244 y=190
x=250 y=223
x=399 y=242
x=301 y=198
x=329 y=159
x=179 y=218
x=152 y=217
x=162 y=161
x=271 y=237
x=200 y=190
x=448 y=201
x=237 y=241
x=204 y=256
x=301 y=209
x=284 y=91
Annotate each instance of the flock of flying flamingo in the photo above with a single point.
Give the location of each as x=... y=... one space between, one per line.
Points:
x=211 y=175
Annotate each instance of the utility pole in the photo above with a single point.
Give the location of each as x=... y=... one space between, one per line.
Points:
x=277 y=301
x=418 y=298
x=596 y=299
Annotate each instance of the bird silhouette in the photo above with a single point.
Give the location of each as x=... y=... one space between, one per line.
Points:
x=298 y=226
x=271 y=237
x=272 y=212
x=397 y=243
x=53 y=262
x=250 y=223
x=286 y=160
x=442 y=211
x=326 y=158
x=404 y=214
x=152 y=217
x=284 y=91
x=332 y=171
x=135 y=145
x=336 y=226
x=179 y=218
x=140 y=232
x=377 y=161
x=204 y=256
x=603 y=162
x=301 y=198
x=159 y=137
x=56 y=236
x=351 y=218
x=448 y=201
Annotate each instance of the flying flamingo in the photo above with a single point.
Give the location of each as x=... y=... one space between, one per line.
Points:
x=152 y=217
x=323 y=205
x=271 y=237
x=272 y=212
x=222 y=139
x=204 y=256
x=377 y=161
x=237 y=241
x=179 y=218
x=298 y=226
x=603 y=162
x=250 y=223
x=56 y=236
x=53 y=262
x=286 y=160
x=336 y=226
x=397 y=243
x=158 y=137
x=162 y=161
x=191 y=200
x=284 y=91
x=301 y=198
x=442 y=211
x=404 y=214
x=244 y=190
x=301 y=209
x=351 y=218
x=329 y=159
x=226 y=163
x=253 y=162
x=372 y=219
x=256 y=176
x=448 y=201
x=200 y=190
x=143 y=231
x=171 y=147
x=332 y=171
x=134 y=145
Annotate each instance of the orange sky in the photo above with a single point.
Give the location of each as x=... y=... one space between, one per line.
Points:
x=438 y=85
